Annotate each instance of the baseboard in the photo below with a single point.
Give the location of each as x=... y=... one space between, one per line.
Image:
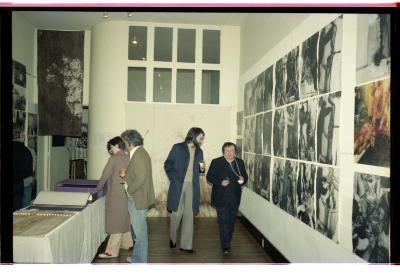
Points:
x=263 y=241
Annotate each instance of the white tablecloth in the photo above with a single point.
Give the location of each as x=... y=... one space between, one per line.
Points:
x=75 y=241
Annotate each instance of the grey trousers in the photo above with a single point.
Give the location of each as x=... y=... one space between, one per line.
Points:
x=184 y=213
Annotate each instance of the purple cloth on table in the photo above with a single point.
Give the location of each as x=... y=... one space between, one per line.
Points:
x=81 y=185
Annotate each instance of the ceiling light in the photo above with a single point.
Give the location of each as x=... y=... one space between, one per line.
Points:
x=135 y=40
x=105 y=15
x=130 y=14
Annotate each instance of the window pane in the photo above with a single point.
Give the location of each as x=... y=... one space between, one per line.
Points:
x=211 y=46
x=136 y=84
x=137 y=43
x=186 y=45
x=185 y=86
x=210 y=87
x=163 y=44
x=162 y=85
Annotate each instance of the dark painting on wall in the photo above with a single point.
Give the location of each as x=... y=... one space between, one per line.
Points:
x=258 y=134
x=309 y=67
x=19 y=74
x=373 y=47
x=249 y=160
x=305 y=194
x=252 y=134
x=32 y=124
x=259 y=91
x=292 y=76
x=267 y=130
x=258 y=169
x=327 y=191
x=279 y=131
x=19 y=118
x=288 y=201
x=19 y=99
x=278 y=180
x=280 y=82
x=60 y=82
x=265 y=177
x=291 y=143
x=330 y=57
x=268 y=85
x=328 y=124
x=239 y=148
x=372 y=124
x=371 y=217
x=239 y=122
x=250 y=100
x=307 y=120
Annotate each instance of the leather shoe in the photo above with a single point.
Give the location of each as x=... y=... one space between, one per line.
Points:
x=129 y=259
x=107 y=256
x=226 y=251
x=171 y=244
x=188 y=251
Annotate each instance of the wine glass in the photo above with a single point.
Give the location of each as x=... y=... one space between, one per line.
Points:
x=122 y=174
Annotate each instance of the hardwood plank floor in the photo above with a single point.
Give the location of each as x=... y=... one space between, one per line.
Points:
x=244 y=248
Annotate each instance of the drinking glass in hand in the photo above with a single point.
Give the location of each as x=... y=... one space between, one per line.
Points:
x=122 y=174
x=202 y=166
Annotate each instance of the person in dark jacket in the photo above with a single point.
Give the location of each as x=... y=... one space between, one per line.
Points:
x=183 y=169
x=227 y=174
x=22 y=167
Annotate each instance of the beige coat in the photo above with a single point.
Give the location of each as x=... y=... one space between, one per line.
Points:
x=140 y=180
x=117 y=217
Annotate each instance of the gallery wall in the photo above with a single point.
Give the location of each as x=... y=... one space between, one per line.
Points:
x=294 y=219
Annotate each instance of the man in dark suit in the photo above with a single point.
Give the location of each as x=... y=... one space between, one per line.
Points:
x=182 y=168
x=227 y=174
x=140 y=191
x=22 y=166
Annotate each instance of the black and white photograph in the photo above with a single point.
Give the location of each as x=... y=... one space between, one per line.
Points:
x=32 y=124
x=372 y=123
x=309 y=67
x=327 y=192
x=291 y=143
x=19 y=118
x=330 y=57
x=258 y=134
x=371 y=217
x=265 y=177
x=249 y=160
x=280 y=82
x=19 y=74
x=239 y=122
x=305 y=194
x=307 y=122
x=19 y=98
x=373 y=47
x=328 y=124
x=258 y=170
x=292 y=76
x=246 y=138
x=267 y=131
x=239 y=148
x=278 y=181
x=268 y=85
x=259 y=91
x=288 y=201
x=250 y=97
x=252 y=134
x=279 y=132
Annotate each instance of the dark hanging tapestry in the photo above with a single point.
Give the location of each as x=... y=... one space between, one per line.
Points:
x=60 y=82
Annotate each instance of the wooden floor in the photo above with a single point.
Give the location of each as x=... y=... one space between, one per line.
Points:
x=244 y=248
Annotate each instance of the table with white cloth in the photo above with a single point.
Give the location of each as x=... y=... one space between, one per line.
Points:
x=75 y=240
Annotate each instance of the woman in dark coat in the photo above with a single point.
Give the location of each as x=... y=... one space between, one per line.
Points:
x=117 y=217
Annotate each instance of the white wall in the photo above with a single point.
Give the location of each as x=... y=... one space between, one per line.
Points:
x=161 y=124
x=296 y=241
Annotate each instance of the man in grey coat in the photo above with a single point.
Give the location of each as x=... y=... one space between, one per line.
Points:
x=140 y=191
